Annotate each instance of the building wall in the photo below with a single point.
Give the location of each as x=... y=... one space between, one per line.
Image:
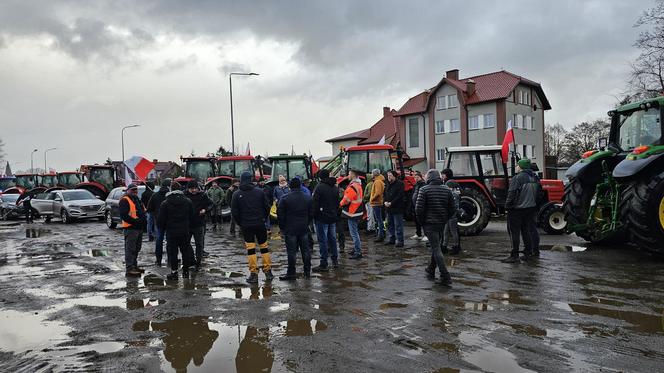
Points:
x=484 y=136
x=344 y=143
x=525 y=136
x=419 y=151
x=446 y=139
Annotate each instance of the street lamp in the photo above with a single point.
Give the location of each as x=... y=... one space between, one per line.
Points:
x=32 y=163
x=46 y=151
x=123 y=129
x=230 y=84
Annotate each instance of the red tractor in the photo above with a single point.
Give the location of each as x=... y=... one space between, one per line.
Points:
x=229 y=167
x=25 y=183
x=69 y=179
x=484 y=180
x=201 y=169
x=98 y=179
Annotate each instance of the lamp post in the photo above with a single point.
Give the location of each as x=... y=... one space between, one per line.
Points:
x=32 y=163
x=230 y=84
x=46 y=151
x=123 y=129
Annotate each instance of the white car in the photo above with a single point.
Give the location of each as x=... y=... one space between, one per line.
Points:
x=68 y=205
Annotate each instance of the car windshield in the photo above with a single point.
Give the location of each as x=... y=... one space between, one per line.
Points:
x=103 y=176
x=49 y=180
x=199 y=170
x=641 y=127
x=27 y=182
x=78 y=195
x=68 y=180
x=7 y=183
x=9 y=197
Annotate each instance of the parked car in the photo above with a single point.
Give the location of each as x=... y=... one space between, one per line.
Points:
x=9 y=209
x=112 y=211
x=69 y=205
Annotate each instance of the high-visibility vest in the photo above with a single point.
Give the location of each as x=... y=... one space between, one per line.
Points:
x=132 y=211
x=351 y=203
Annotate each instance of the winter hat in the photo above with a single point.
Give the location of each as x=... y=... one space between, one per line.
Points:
x=324 y=174
x=192 y=184
x=176 y=186
x=524 y=163
x=246 y=177
x=166 y=183
x=433 y=174
x=132 y=186
x=295 y=183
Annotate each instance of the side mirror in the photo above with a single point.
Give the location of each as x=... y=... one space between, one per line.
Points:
x=602 y=143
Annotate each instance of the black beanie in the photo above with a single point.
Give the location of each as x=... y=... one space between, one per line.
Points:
x=295 y=183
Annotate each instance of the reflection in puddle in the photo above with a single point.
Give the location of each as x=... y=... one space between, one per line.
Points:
x=511 y=297
x=488 y=357
x=97 y=252
x=645 y=323
x=385 y=306
x=525 y=329
x=571 y=248
x=22 y=331
x=254 y=292
x=279 y=307
x=36 y=232
x=301 y=328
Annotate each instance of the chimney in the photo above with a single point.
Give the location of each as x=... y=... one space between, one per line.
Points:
x=452 y=74
x=386 y=111
x=470 y=87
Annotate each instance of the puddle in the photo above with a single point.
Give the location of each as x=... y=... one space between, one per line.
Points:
x=611 y=302
x=471 y=306
x=137 y=304
x=36 y=232
x=194 y=344
x=279 y=307
x=642 y=322
x=525 y=329
x=227 y=274
x=386 y=306
x=23 y=331
x=488 y=357
x=564 y=248
x=301 y=328
x=97 y=252
x=262 y=292
x=449 y=347
x=511 y=297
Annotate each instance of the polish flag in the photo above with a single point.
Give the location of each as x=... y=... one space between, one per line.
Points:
x=140 y=166
x=509 y=139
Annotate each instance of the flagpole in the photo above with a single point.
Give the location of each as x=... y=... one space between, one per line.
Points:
x=514 y=155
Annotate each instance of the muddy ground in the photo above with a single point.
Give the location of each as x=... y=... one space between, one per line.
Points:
x=66 y=306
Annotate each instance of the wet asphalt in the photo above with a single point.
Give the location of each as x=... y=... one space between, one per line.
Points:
x=65 y=305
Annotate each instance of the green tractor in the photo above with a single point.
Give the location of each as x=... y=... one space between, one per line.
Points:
x=616 y=193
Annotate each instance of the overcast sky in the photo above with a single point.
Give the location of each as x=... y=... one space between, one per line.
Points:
x=72 y=73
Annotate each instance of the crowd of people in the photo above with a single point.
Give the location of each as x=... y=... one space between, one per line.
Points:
x=179 y=215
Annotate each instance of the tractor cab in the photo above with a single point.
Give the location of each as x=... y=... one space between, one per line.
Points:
x=201 y=169
x=231 y=167
x=69 y=179
x=98 y=179
x=48 y=180
x=365 y=159
x=7 y=182
x=290 y=166
x=27 y=181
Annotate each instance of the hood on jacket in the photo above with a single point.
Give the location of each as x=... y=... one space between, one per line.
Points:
x=379 y=177
x=173 y=192
x=245 y=180
x=432 y=174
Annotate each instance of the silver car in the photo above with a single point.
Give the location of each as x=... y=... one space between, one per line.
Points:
x=68 y=205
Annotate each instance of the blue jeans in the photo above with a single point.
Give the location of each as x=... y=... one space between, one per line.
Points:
x=395 y=227
x=152 y=228
x=159 y=244
x=327 y=240
x=293 y=244
x=355 y=235
x=378 y=219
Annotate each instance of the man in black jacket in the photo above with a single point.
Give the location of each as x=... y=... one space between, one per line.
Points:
x=145 y=199
x=250 y=207
x=202 y=204
x=434 y=206
x=153 y=208
x=295 y=214
x=133 y=223
x=521 y=206
x=394 y=203
x=325 y=213
x=175 y=216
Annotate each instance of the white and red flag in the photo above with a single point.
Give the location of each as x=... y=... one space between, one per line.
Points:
x=139 y=166
x=509 y=139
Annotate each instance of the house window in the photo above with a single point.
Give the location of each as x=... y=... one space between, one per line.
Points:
x=518 y=121
x=532 y=151
x=439 y=126
x=520 y=97
x=526 y=98
x=452 y=101
x=454 y=125
x=489 y=120
x=440 y=155
x=474 y=122
x=441 y=102
x=413 y=133
x=446 y=125
x=524 y=151
x=529 y=123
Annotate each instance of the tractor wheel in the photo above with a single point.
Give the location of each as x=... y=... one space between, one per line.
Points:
x=577 y=204
x=552 y=219
x=475 y=212
x=642 y=210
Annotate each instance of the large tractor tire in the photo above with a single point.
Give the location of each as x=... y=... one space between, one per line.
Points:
x=475 y=212
x=576 y=205
x=551 y=218
x=642 y=210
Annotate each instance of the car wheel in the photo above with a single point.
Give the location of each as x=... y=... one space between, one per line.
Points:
x=109 y=220
x=64 y=216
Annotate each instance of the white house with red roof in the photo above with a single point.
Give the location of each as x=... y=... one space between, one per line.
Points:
x=462 y=112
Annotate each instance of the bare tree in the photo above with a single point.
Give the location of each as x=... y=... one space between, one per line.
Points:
x=647 y=76
x=554 y=140
x=581 y=138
